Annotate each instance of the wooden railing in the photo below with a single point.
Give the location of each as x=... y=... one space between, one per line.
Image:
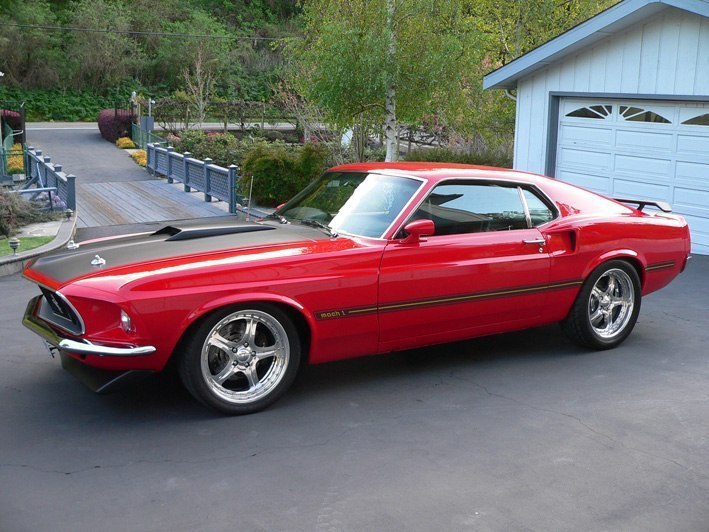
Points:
x=205 y=176
x=46 y=177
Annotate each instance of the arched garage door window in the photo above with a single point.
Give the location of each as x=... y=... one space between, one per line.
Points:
x=636 y=114
x=627 y=113
x=701 y=120
x=596 y=112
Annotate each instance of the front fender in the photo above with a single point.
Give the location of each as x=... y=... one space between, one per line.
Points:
x=243 y=298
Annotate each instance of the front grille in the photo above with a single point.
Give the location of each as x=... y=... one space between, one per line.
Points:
x=55 y=309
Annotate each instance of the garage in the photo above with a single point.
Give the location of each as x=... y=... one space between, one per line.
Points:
x=640 y=149
x=620 y=104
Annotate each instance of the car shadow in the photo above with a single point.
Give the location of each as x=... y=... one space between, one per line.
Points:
x=537 y=344
x=163 y=397
x=164 y=391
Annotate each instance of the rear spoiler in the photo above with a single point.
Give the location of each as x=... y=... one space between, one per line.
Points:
x=662 y=205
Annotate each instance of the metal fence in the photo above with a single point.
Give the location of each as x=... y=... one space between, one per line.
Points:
x=214 y=181
x=45 y=177
x=12 y=162
x=142 y=137
x=12 y=114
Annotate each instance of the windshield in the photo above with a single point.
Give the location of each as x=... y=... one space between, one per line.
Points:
x=352 y=202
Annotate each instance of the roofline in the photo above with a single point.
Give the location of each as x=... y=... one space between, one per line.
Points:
x=608 y=22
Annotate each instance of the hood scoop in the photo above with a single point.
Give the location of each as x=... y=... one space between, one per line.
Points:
x=190 y=233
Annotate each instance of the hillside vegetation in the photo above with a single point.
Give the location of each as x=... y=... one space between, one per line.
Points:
x=71 y=75
x=68 y=59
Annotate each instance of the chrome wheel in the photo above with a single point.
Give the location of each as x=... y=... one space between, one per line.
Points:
x=606 y=308
x=245 y=356
x=611 y=304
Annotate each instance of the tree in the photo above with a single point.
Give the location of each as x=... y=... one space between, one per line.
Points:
x=114 y=45
x=174 y=55
x=485 y=122
x=101 y=59
x=199 y=80
x=29 y=56
x=516 y=27
x=384 y=61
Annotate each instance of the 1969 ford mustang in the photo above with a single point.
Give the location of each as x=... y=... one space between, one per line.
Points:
x=370 y=258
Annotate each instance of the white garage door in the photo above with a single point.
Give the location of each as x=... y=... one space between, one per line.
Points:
x=640 y=149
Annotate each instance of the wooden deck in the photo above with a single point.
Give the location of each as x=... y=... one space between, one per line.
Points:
x=102 y=204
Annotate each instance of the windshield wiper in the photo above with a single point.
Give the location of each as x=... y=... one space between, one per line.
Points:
x=274 y=216
x=319 y=225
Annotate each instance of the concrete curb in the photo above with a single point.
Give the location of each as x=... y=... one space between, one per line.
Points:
x=16 y=263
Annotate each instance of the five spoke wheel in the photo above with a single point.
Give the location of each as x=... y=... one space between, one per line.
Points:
x=245 y=356
x=242 y=360
x=606 y=308
x=611 y=303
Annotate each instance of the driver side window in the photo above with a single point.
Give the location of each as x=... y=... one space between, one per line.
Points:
x=473 y=208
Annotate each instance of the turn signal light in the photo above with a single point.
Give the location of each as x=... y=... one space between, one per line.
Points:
x=126 y=323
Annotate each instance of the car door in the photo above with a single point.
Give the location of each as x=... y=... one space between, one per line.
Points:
x=484 y=270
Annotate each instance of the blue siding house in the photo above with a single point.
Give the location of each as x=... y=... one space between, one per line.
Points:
x=620 y=104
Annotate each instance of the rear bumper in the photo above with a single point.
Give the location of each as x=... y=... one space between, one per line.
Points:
x=97 y=380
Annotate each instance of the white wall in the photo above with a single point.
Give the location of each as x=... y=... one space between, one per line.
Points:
x=668 y=54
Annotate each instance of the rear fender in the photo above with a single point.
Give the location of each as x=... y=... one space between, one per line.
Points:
x=627 y=255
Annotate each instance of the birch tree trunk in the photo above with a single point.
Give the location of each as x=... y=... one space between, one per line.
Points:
x=199 y=84
x=390 y=125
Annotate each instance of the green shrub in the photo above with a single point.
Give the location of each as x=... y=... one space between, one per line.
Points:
x=280 y=171
x=57 y=104
x=446 y=155
x=223 y=148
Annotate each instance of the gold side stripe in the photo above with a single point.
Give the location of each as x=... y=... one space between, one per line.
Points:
x=361 y=310
x=477 y=296
x=660 y=266
x=343 y=313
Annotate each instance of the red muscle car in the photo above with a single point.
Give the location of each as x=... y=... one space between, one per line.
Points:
x=370 y=258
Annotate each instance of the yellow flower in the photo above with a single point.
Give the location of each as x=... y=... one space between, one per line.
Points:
x=140 y=157
x=125 y=143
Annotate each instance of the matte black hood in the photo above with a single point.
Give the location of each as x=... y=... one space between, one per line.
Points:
x=190 y=238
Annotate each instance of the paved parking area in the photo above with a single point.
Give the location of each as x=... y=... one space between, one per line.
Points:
x=517 y=432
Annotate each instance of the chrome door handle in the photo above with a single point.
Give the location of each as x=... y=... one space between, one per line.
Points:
x=538 y=242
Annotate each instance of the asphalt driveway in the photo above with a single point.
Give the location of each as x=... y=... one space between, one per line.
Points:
x=81 y=150
x=517 y=432
x=111 y=189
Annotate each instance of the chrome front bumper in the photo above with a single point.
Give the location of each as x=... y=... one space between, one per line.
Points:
x=40 y=327
x=87 y=348
x=98 y=380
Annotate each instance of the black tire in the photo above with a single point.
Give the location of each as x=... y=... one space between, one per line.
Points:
x=241 y=359
x=603 y=315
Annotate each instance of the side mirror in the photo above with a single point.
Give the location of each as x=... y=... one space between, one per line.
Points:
x=417 y=230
